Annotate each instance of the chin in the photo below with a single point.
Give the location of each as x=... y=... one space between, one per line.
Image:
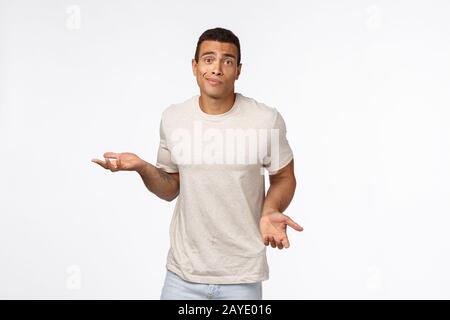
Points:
x=214 y=93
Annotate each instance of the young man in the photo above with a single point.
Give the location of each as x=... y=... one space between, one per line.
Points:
x=223 y=220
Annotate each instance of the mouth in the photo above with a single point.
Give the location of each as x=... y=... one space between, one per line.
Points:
x=214 y=82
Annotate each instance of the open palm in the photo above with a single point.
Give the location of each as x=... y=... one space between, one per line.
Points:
x=126 y=161
x=273 y=229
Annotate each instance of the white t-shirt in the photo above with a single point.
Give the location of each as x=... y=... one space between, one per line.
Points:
x=214 y=231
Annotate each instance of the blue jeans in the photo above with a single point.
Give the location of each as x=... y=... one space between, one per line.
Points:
x=176 y=288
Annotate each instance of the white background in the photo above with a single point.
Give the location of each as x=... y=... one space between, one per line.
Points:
x=364 y=90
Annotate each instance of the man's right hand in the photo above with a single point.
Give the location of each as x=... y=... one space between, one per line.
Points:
x=120 y=161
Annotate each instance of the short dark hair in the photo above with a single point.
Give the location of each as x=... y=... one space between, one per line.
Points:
x=221 y=35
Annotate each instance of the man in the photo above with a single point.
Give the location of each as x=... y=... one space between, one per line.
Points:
x=223 y=220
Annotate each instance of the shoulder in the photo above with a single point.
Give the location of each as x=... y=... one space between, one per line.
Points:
x=177 y=111
x=259 y=110
x=180 y=107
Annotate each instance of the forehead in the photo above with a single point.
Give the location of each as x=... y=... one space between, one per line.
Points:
x=218 y=47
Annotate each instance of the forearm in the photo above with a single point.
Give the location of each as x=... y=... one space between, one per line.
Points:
x=279 y=195
x=159 y=182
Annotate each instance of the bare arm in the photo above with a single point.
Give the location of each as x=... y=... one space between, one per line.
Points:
x=273 y=222
x=164 y=185
x=281 y=190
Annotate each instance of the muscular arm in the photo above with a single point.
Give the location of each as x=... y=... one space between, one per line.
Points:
x=164 y=185
x=281 y=190
x=273 y=222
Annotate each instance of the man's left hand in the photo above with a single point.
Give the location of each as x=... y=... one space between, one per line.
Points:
x=273 y=229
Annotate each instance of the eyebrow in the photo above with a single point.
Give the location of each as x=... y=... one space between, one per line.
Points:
x=225 y=54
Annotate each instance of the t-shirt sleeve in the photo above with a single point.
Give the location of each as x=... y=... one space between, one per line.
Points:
x=279 y=152
x=164 y=158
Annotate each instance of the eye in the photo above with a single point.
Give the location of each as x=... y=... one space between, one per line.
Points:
x=230 y=62
x=208 y=59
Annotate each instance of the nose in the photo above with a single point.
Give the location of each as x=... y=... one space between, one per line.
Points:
x=217 y=69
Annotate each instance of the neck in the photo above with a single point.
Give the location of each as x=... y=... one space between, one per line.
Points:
x=212 y=105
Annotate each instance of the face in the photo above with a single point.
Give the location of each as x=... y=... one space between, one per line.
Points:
x=217 y=69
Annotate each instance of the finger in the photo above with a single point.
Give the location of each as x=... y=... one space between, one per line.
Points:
x=99 y=162
x=293 y=224
x=285 y=242
x=111 y=155
x=266 y=240
x=110 y=165
x=272 y=242
x=279 y=245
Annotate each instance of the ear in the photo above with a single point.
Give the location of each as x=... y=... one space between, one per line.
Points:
x=238 y=71
x=194 y=67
